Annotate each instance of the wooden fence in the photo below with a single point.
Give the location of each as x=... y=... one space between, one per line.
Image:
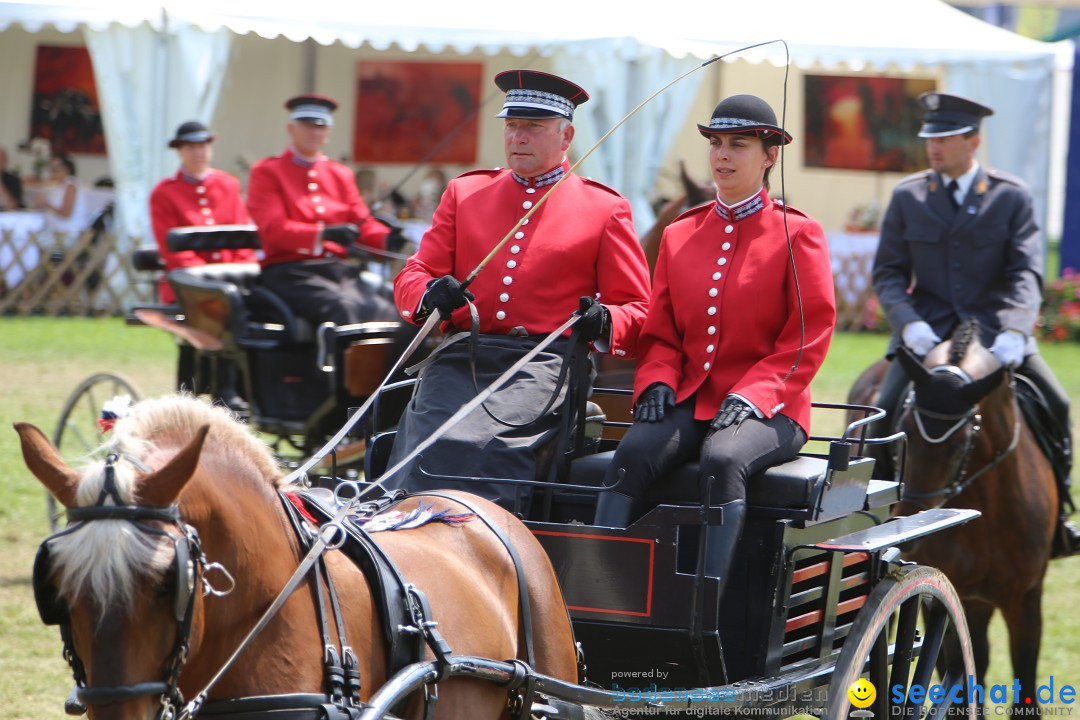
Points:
x=46 y=274
x=43 y=274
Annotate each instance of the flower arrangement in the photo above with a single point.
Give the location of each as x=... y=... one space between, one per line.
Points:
x=39 y=150
x=1059 y=320
x=864 y=218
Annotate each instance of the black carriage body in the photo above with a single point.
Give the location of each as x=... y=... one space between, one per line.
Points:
x=647 y=621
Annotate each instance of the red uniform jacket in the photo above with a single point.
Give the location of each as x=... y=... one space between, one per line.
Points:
x=291 y=200
x=182 y=202
x=724 y=315
x=580 y=242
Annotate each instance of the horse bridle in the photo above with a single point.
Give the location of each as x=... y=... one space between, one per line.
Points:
x=190 y=567
x=971 y=416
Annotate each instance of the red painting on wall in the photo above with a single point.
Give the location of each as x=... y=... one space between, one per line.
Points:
x=864 y=123
x=408 y=112
x=65 y=109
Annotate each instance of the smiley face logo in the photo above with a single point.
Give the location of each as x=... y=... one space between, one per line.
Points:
x=862 y=693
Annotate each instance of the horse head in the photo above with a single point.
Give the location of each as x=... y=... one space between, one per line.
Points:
x=128 y=578
x=958 y=384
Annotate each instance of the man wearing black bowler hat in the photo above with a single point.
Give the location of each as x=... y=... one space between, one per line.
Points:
x=577 y=253
x=964 y=239
x=309 y=213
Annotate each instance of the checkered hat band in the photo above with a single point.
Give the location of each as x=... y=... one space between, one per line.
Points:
x=539 y=100
x=301 y=112
x=722 y=123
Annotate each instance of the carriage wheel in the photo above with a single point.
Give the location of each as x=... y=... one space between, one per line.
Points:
x=911 y=631
x=77 y=433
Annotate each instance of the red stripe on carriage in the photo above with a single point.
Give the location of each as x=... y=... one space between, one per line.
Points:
x=648 y=543
x=820 y=568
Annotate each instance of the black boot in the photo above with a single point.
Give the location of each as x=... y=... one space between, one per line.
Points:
x=616 y=510
x=721 y=541
x=1066 y=538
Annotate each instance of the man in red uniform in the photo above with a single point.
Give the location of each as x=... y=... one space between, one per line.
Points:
x=309 y=213
x=578 y=250
x=201 y=196
x=198 y=195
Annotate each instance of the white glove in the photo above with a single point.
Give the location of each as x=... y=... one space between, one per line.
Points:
x=1008 y=347
x=919 y=337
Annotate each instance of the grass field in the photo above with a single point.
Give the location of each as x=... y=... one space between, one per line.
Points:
x=42 y=361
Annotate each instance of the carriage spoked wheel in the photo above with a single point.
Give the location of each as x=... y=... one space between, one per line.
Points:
x=911 y=632
x=77 y=435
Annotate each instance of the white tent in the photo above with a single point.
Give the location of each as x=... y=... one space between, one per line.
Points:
x=158 y=63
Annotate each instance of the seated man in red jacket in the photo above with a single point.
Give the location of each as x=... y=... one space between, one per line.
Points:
x=309 y=212
x=576 y=252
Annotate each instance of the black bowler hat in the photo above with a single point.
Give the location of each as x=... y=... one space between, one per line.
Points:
x=950 y=114
x=314 y=109
x=532 y=94
x=192 y=131
x=744 y=114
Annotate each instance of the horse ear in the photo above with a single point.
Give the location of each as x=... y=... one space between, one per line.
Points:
x=162 y=488
x=46 y=464
x=913 y=367
x=976 y=390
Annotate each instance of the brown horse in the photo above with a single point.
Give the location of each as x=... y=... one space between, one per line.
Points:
x=969 y=446
x=122 y=586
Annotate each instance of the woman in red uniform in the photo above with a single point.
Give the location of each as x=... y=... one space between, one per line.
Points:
x=740 y=319
x=198 y=195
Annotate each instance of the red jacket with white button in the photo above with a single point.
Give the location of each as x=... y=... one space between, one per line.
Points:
x=579 y=242
x=291 y=199
x=724 y=314
x=182 y=201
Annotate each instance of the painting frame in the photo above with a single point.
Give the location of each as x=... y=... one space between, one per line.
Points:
x=65 y=109
x=863 y=122
x=410 y=112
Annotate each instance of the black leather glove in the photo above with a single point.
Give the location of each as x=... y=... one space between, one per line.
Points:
x=653 y=402
x=395 y=240
x=732 y=412
x=595 y=319
x=344 y=234
x=444 y=295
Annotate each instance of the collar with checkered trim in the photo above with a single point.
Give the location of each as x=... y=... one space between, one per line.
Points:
x=549 y=178
x=741 y=210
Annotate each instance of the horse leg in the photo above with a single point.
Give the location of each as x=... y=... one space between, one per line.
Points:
x=1024 y=621
x=978 y=614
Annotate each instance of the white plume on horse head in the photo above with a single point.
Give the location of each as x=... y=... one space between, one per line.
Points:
x=107 y=560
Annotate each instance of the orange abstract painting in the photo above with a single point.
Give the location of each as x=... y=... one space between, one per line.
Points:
x=65 y=109
x=864 y=123
x=410 y=112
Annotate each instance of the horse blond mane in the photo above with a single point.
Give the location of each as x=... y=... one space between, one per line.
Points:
x=107 y=559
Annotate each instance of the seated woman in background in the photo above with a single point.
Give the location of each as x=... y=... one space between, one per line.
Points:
x=64 y=203
x=741 y=316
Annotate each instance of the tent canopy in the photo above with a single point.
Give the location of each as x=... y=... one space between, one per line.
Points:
x=141 y=47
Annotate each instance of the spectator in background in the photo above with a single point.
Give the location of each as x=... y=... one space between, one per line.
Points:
x=64 y=203
x=431 y=190
x=11 y=191
x=198 y=195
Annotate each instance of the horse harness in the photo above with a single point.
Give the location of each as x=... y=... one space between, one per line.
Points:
x=189 y=567
x=969 y=417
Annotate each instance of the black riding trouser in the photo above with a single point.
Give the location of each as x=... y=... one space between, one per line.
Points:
x=732 y=455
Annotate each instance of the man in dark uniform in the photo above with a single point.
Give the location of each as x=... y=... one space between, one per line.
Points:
x=577 y=252
x=965 y=240
x=309 y=213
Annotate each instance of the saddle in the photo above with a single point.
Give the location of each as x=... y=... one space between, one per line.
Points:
x=1053 y=439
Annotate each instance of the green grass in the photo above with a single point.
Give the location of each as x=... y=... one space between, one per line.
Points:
x=43 y=359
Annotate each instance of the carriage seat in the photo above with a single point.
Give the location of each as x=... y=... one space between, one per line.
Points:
x=226 y=301
x=805 y=487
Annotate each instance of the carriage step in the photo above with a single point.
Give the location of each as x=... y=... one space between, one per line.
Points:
x=899 y=530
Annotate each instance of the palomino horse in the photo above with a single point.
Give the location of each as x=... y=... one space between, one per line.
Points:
x=969 y=446
x=125 y=583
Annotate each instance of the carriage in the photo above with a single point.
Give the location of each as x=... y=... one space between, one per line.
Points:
x=818 y=599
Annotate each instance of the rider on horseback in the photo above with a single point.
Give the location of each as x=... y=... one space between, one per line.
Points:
x=963 y=239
